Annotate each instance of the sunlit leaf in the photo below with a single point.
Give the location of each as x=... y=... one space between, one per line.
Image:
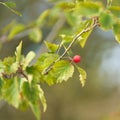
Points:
x=30 y=56
x=35 y=35
x=11 y=92
x=62 y=70
x=82 y=76
x=15 y=30
x=42 y=98
x=18 y=52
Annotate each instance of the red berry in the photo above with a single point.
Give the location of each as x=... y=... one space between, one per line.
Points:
x=76 y=58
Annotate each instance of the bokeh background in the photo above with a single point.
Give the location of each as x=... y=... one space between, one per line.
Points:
x=98 y=100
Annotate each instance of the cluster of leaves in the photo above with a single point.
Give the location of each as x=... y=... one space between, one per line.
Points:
x=20 y=81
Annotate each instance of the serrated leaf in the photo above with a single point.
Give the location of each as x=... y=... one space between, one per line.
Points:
x=62 y=70
x=42 y=98
x=10 y=6
x=30 y=56
x=35 y=35
x=15 y=30
x=18 y=52
x=82 y=76
x=11 y=92
x=51 y=46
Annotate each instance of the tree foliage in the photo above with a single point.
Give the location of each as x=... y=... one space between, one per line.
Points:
x=20 y=80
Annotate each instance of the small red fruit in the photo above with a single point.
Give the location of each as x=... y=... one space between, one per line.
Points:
x=77 y=58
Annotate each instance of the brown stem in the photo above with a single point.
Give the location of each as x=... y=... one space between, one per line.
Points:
x=95 y=23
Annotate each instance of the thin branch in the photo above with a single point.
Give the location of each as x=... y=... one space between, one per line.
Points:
x=95 y=23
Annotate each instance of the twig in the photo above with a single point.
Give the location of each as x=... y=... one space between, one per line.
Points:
x=95 y=23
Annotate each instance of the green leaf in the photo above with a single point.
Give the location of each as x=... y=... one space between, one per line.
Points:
x=8 y=64
x=51 y=46
x=35 y=35
x=115 y=10
x=42 y=17
x=84 y=25
x=10 y=6
x=46 y=60
x=30 y=56
x=106 y=20
x=82 y=76
x=66 y=5
x=116 y=29
x=18 y=52
x=62 y=71
x=36 y=110
x=15 y=30
x=31 y=93
x=88 y=8
x=11 y=92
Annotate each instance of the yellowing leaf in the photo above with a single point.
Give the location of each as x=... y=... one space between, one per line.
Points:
x=82 y=76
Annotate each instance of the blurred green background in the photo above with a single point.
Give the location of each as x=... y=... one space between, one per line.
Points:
x=98 y=100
